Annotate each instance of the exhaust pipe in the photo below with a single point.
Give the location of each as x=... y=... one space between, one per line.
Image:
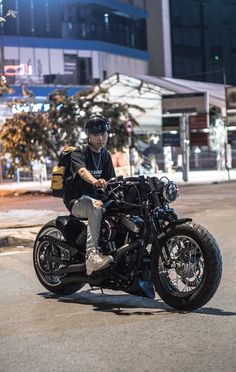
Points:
x=81 y=268
x=75 y=268
x=92 y=280
x=125 y=248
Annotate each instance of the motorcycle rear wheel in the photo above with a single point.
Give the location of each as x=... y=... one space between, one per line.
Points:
x=196 y=268
x=44 y=268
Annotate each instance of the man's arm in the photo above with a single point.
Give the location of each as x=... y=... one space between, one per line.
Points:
x=88 y=177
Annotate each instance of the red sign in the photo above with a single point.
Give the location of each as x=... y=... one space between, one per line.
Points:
x=199 y=139
x=199 y=121
x=231 y=98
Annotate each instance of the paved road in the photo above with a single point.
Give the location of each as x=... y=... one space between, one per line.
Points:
x=89 y=331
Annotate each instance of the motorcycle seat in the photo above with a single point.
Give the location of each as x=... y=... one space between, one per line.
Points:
x=63 y=220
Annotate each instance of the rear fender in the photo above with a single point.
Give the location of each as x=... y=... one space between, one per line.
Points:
x=74 y=230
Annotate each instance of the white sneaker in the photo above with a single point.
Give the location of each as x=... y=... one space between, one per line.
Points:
x=97 y=261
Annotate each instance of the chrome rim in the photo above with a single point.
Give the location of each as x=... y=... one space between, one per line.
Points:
x=185 y=273
x=43 y=251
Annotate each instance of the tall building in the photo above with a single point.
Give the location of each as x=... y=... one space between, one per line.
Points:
x=72 y=41
x=193 y=39
x=83 y=41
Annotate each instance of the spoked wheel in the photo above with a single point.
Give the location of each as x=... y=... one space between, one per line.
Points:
x=193 y=274
x=45 y=267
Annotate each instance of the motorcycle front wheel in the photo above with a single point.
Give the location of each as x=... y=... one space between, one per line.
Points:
x=193 y=274
x=44 y=267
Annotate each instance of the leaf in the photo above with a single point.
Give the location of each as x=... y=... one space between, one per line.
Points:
x=11 y=13
x=2 y=19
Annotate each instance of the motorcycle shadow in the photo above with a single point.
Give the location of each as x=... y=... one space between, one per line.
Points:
x=127 y=304
x=120 y=304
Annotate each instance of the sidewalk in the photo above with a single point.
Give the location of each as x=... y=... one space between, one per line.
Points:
x=19 y=227
x=12 y=188
x=194 y=177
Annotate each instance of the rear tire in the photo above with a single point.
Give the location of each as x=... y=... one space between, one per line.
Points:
x=196 y=271
x=44 y=268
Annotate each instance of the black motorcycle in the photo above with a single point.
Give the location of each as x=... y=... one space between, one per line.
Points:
x=148 y=241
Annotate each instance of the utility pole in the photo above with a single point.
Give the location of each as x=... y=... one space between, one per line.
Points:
x=184 y=132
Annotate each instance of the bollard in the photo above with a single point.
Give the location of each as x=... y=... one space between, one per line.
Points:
x=18 y=176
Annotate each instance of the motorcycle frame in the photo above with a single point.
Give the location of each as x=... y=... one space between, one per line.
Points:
x=158 y=218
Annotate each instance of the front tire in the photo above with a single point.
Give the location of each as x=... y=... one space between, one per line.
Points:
x=44 y=268
x=195 y=271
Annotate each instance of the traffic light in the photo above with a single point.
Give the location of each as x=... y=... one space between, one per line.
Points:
x=217 y=54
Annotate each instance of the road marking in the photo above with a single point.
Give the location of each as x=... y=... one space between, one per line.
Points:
x=14 y=252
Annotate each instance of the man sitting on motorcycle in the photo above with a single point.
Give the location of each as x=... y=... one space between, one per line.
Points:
x=92 y=168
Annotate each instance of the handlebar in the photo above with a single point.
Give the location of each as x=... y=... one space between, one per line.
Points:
x=122 y=190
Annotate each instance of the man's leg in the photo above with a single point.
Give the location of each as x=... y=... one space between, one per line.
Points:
x=86 y=207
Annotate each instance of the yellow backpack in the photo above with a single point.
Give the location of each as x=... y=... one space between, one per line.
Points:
x=62 y=173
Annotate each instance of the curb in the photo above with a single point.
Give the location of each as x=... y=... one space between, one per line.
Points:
x=17 y=236
x=11 y=227
x=20 y=192
x=204 y=183
x=12 y=241
x=10 y=249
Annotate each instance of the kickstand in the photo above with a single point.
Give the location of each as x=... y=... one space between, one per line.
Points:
x=101 y=290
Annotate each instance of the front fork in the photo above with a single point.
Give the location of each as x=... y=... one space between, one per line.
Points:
x=159 y=241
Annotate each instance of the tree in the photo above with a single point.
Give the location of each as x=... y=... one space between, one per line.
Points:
x=22 y=136
x=5 y=87
x=10 y=13
x=25 y=133
x=97 y=99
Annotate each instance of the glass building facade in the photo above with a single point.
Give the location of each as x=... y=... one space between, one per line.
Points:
x=72 y=41
x=203 y=40
x=75 y=20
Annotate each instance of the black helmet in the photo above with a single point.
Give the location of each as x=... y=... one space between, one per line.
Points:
x=96 y=124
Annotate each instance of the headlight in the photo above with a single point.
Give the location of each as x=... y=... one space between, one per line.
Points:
x=170 y=191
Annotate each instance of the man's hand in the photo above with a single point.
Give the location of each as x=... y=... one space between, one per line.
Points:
x=88 y=177
x=100 y=183
x=98 y=203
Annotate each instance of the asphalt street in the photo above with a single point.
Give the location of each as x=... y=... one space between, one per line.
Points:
x=114 y=331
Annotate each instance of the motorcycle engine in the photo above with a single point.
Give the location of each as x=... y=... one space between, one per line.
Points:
x=108 y=229
x=111 y=236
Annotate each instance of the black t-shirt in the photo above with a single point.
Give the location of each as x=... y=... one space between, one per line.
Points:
x=98 y=164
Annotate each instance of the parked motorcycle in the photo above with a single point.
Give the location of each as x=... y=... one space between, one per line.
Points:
x=147 y=240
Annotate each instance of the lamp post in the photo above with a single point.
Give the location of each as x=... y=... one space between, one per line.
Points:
x=185 y=145
x=129 y=130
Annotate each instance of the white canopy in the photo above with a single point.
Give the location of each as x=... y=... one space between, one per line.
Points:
x=147 y=91
x=131 y=90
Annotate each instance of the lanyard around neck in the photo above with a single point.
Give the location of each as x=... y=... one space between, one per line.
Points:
x=97 y=164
